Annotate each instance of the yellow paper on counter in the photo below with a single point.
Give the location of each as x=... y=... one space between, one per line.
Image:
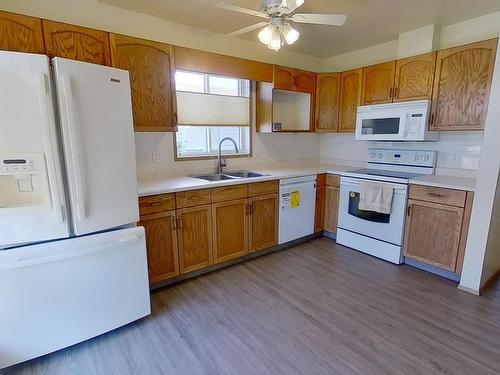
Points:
x=294 y=199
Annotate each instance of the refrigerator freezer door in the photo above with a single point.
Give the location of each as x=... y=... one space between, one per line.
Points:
x=57 y=294
x=32 y=201
x=99 y=147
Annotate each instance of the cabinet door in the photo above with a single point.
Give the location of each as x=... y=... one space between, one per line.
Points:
x=230 y=230
x=283 y=78
x=330 y=217
x=350 y=98
x=432 y=233
x=195 y=238
x=320 y=209
x=161 y=243
x=462 y=86
x=76 y=43
x=378 y=83
x=263 y=222
x=152 y=73
x=414 y=77
x=20 y=33
x=327 y=102
x=304 y=81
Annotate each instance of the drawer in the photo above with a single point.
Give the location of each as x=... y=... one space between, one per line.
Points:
x=438 y=195
x=156 y=203
x=333 y=180
x=228 y=193
x=321 y=180
x=192 y=198
x=263 y=188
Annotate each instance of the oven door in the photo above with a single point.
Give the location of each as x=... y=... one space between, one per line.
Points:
x=385 y=227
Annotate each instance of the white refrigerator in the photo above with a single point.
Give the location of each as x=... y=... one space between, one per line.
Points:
x=72 y=260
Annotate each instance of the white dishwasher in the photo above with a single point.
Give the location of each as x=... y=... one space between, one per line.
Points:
x=297 y=205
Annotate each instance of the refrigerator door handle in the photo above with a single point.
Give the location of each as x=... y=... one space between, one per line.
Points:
x=33 y=261
x=54 y=183
x=75 y=148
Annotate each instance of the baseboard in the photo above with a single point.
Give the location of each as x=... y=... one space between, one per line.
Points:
x=468 y=290
x=490 y=281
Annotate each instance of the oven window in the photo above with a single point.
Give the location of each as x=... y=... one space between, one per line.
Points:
x=380 y=126
x=373 y=216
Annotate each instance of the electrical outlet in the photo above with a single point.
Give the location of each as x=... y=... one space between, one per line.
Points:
x=158 y=157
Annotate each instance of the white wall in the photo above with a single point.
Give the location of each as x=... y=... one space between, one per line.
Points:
x=484 y=236
x=492 y=257
x=92 y=13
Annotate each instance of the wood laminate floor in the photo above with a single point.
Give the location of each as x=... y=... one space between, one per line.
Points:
x=317 y=308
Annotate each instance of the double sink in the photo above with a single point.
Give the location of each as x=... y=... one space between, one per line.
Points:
x=228 y=175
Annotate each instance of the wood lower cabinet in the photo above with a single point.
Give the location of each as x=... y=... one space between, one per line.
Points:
x=152 y=80
x=436 y=228
x=350 y=98
x=330 y=217
x=378 y=83
x=263 y=222
x=21 y=33
x=320 y=209
x=327 y=102
x=230 y=229
x=194 y=238
x=414 y=77
x=161 y=244
x=76 y=43
x=462 y=86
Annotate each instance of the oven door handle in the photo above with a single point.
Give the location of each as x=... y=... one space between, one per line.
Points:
x=355 y=182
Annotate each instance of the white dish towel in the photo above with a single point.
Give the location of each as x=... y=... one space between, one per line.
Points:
x=375 y=197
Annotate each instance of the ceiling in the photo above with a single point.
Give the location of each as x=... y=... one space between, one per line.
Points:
x=369 y=22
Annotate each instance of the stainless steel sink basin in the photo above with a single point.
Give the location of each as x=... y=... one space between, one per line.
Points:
x=245 y=174
x=228 y=175
x=213 y=177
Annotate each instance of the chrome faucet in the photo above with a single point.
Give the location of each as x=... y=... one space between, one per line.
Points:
x=221 y=162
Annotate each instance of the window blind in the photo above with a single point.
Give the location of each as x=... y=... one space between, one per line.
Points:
x=209 y=109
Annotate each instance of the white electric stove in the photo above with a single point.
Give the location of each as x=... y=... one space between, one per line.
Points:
x=375 y=233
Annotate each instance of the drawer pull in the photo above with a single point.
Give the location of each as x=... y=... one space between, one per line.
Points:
x=437 y=195
x=154 y=204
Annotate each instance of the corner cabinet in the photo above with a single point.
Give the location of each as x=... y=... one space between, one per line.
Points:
x=462 y=86
x=21 y=33
x=152 y=78
x=327 y=102
x=327 y=203
x=76 y=43
x=350 y=98
x=437 y=226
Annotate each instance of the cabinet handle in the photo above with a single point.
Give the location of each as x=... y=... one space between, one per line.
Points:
x=249 y=209
x=174 y=223
x=154 y=204
x=409 y=210
x=390 y=92
x=432 y=119
x=179 y=222
x=437 y=195
x=395 y=92
x=175 y=118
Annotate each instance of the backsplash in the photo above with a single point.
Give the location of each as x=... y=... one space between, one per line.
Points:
x=458 y=152
x=269 y=150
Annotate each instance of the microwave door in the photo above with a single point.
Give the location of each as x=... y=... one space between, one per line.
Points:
x=381 y=127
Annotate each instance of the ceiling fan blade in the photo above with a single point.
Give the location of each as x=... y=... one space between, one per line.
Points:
x=292 y=4
x=248 y=29
x=320 y=19
x=238 y=9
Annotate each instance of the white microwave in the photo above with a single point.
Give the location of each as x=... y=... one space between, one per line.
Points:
x=405 y=121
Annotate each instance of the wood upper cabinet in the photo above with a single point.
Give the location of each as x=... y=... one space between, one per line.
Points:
x=152 y=78
x=414 y=77
x=194 y=238
x=161 y=244
x=75 y=42
x=433 y=233
x=283 y=78
x=327 y=102
x=462 y=86
x=230 y=229
x=304 y=81
x=21 y=33
x=350 y=98
x=330 y=216
x=378 y=83
x=263 y=221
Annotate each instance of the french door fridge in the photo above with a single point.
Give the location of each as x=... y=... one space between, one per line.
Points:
x=73 y=263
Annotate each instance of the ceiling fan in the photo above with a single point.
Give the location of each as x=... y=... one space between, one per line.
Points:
x=277 y=29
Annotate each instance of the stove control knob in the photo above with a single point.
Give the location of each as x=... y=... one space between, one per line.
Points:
x=380 y=155
x=416 y=157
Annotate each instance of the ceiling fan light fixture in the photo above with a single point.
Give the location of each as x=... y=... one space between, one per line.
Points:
x=275 y=42
x=266 y=34
x=291 y=35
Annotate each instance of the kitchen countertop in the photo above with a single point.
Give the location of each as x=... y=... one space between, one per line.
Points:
x=183 y=183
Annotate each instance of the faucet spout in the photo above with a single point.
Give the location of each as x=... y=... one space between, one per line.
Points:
x=220 y=164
